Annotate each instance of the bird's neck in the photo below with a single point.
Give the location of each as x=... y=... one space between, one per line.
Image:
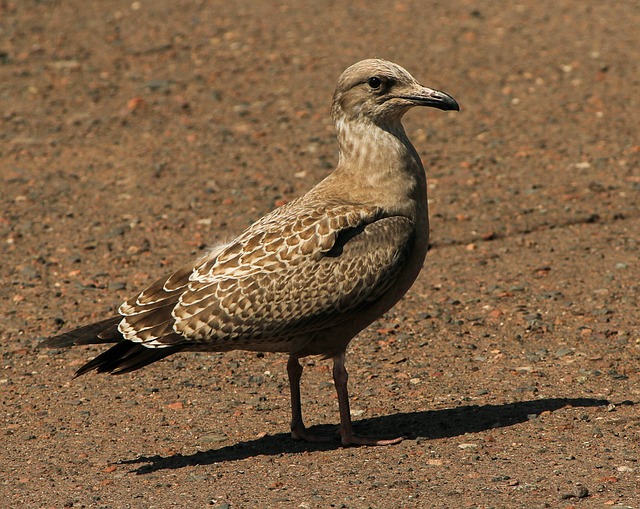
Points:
x=382 y=160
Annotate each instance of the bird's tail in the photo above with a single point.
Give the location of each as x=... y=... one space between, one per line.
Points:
x=126 y=356
x=105 y=331
x=123 y=357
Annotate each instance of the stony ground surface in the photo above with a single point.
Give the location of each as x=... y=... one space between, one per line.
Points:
x=134 y=134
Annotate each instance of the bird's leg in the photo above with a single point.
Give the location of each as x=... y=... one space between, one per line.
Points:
x=298 y=431
x=340 y=377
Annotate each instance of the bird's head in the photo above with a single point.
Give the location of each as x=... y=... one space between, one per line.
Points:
x=382 y=92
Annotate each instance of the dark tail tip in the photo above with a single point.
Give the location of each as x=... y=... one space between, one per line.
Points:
x=125 y=357
x=105 y=331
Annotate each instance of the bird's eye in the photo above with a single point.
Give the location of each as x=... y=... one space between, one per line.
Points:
x=374 y=82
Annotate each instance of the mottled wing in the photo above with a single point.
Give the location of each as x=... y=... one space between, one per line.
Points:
x=265 y=289
x=295 y=271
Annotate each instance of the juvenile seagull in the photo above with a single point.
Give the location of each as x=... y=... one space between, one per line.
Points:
x=307 y=277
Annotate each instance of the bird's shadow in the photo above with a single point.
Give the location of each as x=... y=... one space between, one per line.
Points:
x=419 y=425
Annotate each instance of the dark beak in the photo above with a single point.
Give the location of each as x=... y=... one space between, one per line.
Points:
x=424 y=96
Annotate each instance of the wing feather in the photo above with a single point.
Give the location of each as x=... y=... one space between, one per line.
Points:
x=289 y=274
x=290 y=298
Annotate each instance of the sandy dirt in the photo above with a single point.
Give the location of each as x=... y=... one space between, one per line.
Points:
x=134 y=134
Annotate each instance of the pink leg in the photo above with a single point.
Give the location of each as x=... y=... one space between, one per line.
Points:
x=298 y=431
x=340 y=377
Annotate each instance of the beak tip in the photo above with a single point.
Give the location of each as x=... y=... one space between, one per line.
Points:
x=448 y=103
x=453 y=107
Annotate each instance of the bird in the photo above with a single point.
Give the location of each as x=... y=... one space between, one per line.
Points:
x=308 y=276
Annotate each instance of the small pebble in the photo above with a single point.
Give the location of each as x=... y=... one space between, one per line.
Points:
x=563 y=351
x=579 y=492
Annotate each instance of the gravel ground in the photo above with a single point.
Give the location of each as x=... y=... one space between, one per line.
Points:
x=134 y=134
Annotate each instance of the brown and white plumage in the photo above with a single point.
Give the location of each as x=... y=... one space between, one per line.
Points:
x=307 y=277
